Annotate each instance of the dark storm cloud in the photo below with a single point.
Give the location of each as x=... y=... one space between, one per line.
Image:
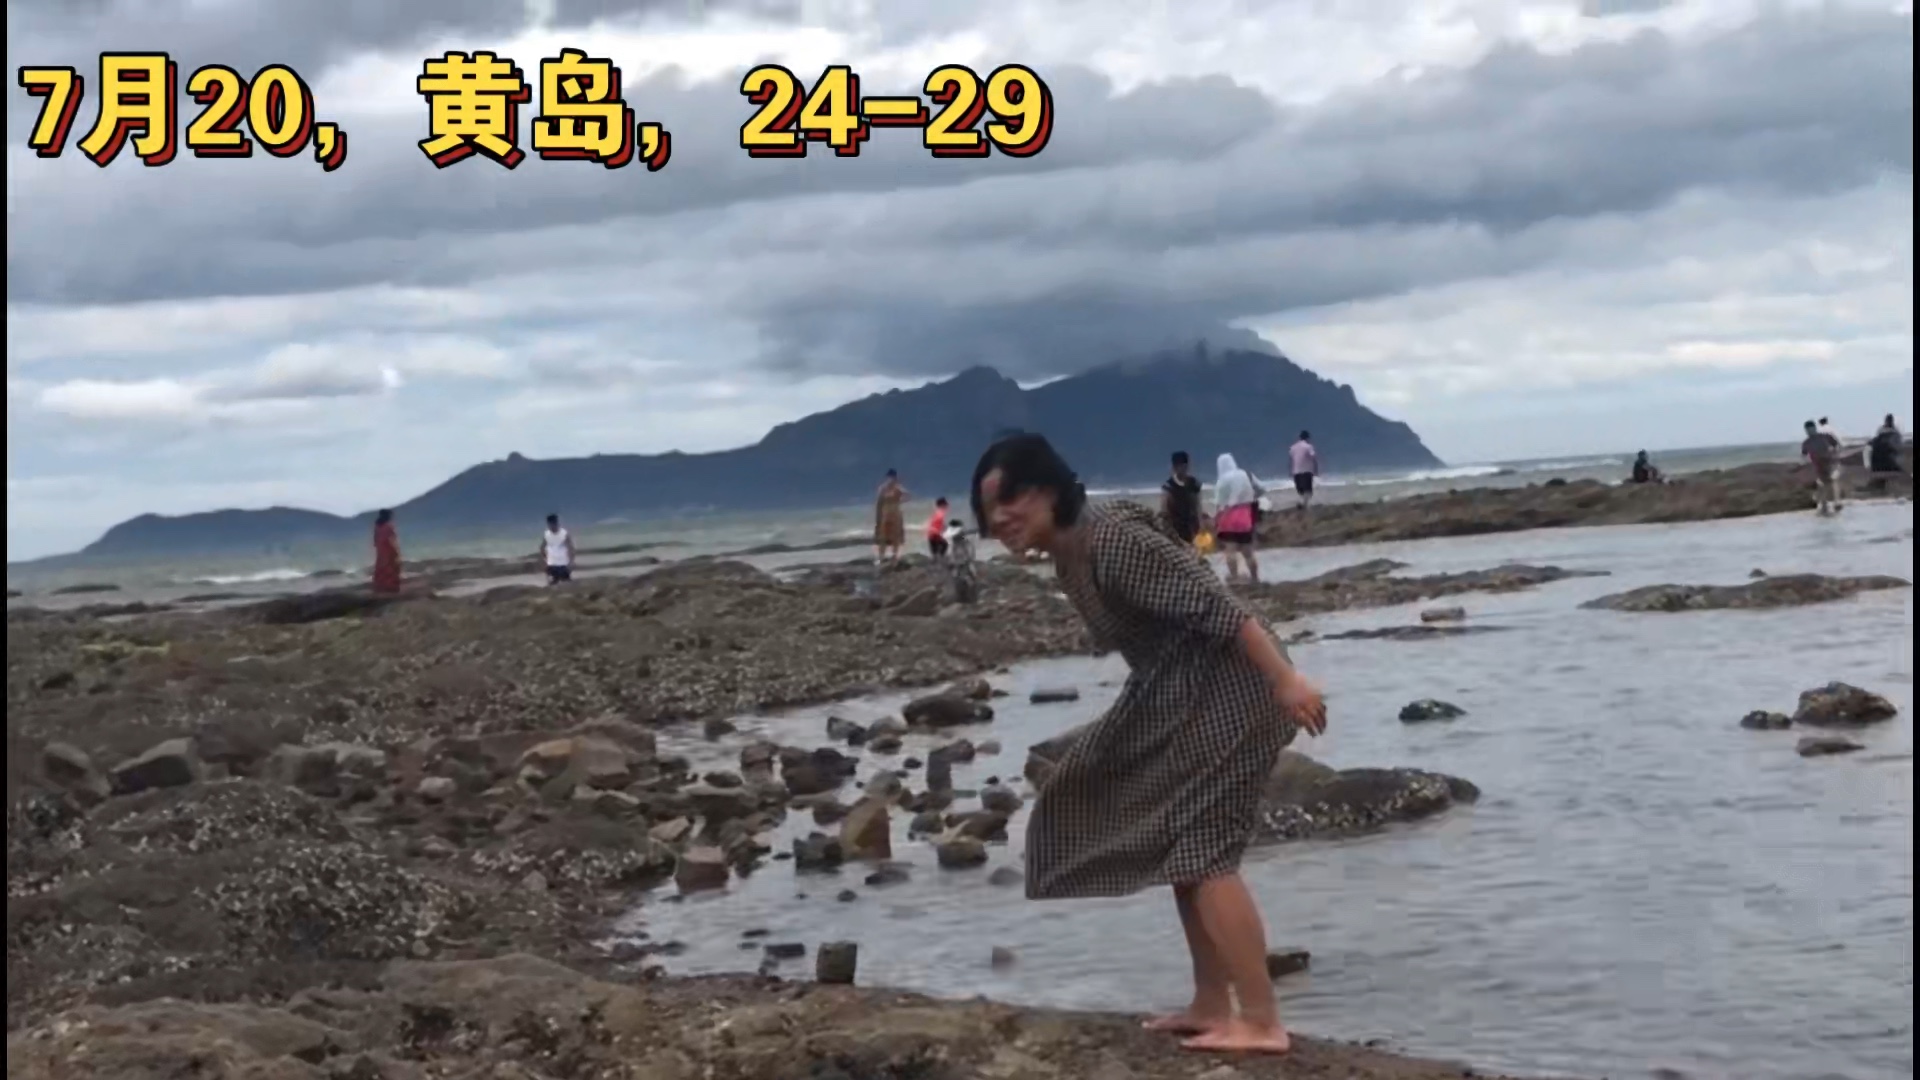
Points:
x=1154 y=217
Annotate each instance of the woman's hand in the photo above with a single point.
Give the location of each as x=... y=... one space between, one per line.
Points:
x=1302 y=701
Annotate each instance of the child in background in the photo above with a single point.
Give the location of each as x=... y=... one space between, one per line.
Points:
x=937 y=530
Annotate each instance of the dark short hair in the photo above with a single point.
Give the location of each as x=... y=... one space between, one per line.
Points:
x=1180 y=458
x=1305 y=434
x=1028 y=462
x=383 y=517
x=553 y=519
x=1810 y=424
x=941 y=501
x=891 y=472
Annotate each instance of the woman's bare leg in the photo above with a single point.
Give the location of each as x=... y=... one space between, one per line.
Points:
x=1212 y=996
x=1231 y=921
x=1253 y=566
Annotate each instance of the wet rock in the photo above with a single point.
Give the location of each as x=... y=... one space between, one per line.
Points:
x=973 y=689
x=1005 y=877
x=867 y=832
x=1824 y=745
x=961 y=852
x=817 y=851
x=836 y=962
x=989 y=747
x=922 y=802
x=701 y=869
x=958 y=751
x=715 y=728
x=1443 y=615
x=927 y=823
x=785 y=950
x=1787 y=590
x=723 y=779
x=758 y=755
x=890 y=873
x=885 y=784
x=846 y=896
x=1000 y=799
x=1430 y=709
x=1054 y=695
x=592 y=760
x=1415 y=632
x=1283 y=962
x=1762 y=720
x=610 y=804
x=885 y=744
x=1002 y=957
x=845 y=731
x=1042 y=755
x=912 y=763
x=944 y=710
x=435 y=789
x=672 y=832
x=720 y=804
x=173 y=763
x=816 y=773
x=1756 y=574
x=1839 y=704
x=939 y=774
x=979 y=825
x=320 y=607
x=828 y=811
x=886 y=725
x=69 y=767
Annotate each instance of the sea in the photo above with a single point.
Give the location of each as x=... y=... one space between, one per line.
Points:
x=1644 y=889
x=611 y=546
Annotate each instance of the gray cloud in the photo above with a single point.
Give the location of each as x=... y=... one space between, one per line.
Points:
x=1603 y=9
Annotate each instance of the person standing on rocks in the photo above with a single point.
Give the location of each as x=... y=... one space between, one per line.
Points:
x=889 y=519
x=1165 y=788
x=1306 y=465
x=937 y=530
x=557 y=547
x=1883 y=452
x=1180 y=498
x=386 y=555
x=1236 y=497
x=1822 y=452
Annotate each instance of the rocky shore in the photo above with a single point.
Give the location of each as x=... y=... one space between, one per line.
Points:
x=1748 y=491
x=305 y=837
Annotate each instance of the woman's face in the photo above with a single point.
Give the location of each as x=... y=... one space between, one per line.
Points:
x=1023 y=522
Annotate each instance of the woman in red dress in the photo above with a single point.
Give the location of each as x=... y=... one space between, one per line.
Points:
x=386 y=554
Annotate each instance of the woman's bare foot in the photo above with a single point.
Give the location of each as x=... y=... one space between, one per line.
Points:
x=1183 y=1023
x=1236 y=1036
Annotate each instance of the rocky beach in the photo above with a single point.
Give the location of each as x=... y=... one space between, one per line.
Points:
x=332 y=836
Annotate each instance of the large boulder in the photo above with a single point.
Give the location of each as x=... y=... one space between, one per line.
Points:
x=1839 y=704
x=1787 y=590
x=69 y=767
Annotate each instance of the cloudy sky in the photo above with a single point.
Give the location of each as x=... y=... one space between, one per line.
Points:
x=1530 y=227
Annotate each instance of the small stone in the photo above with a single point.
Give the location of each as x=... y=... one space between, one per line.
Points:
x=172 y=763
x=845 y=731
x=888 y=874
x=1005 y=877
x=1430 y=709
x=972 y=689
x=961 y=852
x=758 y=755
x=1281 y=962
x=70 y=767
x=435 y=789
x=885 y=744
x=828 y=812
x=1054 y=695
x=1443 y=615
x=1824 y=745
x=534 y=882
x=786 y=950
x=927 y=823
x=867 y=832
x=1762 y=720
x=671 y=832
x=1003 y=957
x=716 y=728
x=702 y=868
x=999 y=799
x=817 y=851
x=846 y=896
x=988 y=748
x=723 y=779
x=836 y=962
x=943 y=710
x=1756 y=573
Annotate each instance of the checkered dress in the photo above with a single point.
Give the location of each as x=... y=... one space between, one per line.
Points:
x=1164 y=788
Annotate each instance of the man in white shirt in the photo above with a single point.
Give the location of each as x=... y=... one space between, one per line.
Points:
x=557 y=547
x=1306 y=465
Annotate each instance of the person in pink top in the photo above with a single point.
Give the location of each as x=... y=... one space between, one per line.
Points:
x=1306 y=466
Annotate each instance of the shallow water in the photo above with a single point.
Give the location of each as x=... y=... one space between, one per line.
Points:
x=1644 y=885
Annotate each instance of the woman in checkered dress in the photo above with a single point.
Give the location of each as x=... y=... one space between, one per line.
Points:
x=1164 y=789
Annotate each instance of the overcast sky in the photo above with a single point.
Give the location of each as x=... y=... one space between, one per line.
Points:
x=1527 y=228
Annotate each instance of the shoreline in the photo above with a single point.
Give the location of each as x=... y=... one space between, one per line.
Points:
x=373 y=760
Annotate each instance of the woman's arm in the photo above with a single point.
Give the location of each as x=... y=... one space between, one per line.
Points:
x=1290 y=688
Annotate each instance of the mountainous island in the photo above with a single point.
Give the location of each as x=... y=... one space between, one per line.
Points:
x=1116 y=423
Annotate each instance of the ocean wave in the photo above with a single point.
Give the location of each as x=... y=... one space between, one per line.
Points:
x=1456 y=472
x=1572 y=463
x=258 y=577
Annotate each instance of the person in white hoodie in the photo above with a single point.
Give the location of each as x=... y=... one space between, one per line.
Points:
x=1236 y=502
